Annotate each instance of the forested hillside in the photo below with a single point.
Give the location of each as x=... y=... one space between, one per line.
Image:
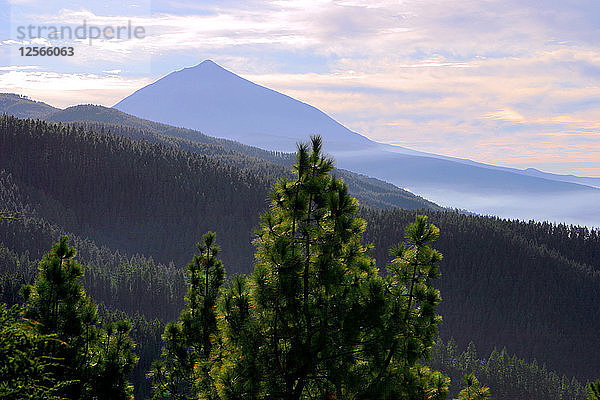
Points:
x=133 y=195
x=508 y=376
x=135 y=208
x=504 y=285
x=369 y=191
x=24 y=107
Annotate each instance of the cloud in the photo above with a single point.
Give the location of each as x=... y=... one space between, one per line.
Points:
x=507 y=82
x=62 y=90
x=20 y=68
x=505 y=115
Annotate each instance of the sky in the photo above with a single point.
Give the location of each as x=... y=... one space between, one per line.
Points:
x=509 y=82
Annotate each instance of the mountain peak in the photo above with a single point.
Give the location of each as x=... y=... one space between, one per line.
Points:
x=217 y=102
x=207 y=71
x=206 y=66
x=209 y=63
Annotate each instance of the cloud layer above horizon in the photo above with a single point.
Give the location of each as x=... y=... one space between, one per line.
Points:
x=506 y=82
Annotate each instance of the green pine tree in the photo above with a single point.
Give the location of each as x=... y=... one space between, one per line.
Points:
x=5 y=215
x=184 y=366
x=115 y=361
x=315 y=319
x=594 y=390
x=25 y=373
x=94 y=360
x=474 y=390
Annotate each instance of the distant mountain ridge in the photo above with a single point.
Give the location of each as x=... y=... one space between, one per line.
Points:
x=450 y=182
x=24 y=107
x=370 y=192
x=582 y=180
x=219 y=103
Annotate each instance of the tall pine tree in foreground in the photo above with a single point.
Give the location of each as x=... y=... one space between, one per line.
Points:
x=183 y=368
x=594 y=390
x=94 y=360
x=25 y=373
x=473 y=389
x=316 y=319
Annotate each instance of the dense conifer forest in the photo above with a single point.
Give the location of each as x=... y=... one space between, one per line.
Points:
x=134 y=203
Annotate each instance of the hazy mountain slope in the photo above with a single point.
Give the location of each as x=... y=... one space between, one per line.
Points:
x=581 y=180
x=23 y=107
x=369 y=191
x=453 y=182
x=110 y=115
x=483 y=190
x=565 y=178
x=442 y=178
x=219 y=103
